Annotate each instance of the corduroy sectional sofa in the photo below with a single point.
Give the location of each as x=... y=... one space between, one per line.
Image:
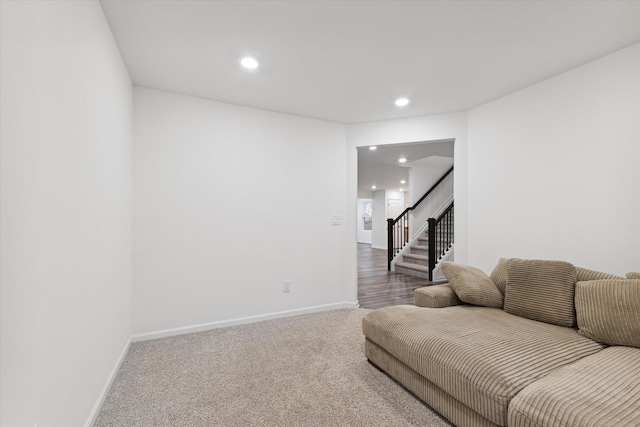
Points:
x=536 y=343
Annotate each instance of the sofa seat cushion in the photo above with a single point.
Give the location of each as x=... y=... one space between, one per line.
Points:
x=481 y=356
x=599 y=390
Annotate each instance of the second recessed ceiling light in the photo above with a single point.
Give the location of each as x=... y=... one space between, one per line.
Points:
x=249 y=62
x=401 y=102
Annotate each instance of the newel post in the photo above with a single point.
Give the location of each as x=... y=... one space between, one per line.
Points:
x=389 y=242
x=432 y=247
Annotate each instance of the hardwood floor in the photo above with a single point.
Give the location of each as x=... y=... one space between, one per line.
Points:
x=378 y=287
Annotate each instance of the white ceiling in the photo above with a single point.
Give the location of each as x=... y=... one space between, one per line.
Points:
x=347 y=61
x=381 y=167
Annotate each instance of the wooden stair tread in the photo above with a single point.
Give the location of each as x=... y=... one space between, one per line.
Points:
x=413 y=266
x=415 y=256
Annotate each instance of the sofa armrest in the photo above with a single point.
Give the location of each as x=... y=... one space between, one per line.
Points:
x=436 y=296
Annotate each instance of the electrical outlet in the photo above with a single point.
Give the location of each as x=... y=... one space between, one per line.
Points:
x=286 y=286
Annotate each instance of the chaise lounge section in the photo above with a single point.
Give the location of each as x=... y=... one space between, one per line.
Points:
x=518 y=359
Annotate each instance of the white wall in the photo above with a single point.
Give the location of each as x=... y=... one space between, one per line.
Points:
x=422 y=175
x=231 y=201
x=554 y=171
x=65 y=216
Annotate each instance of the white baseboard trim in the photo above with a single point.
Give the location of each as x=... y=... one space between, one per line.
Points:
x=241 y=321
x=105 y=390
x=384 y=248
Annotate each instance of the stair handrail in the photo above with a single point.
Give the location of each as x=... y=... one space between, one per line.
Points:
x=433 y=187
x=400 y=235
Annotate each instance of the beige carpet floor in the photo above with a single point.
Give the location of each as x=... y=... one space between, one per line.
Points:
x=306 y=370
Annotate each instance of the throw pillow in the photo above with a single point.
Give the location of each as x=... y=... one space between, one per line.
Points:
x=608 y=311
x=541 y=290
x=472 y=285
x=584 y=275
x=633 y=275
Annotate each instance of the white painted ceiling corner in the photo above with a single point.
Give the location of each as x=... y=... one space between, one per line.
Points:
x=348 y=61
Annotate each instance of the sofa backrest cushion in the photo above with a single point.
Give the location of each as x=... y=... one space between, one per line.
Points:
x=499 y=274
x=633 y=275
x=541 y=290
x=472 y=285
x=608 y=311
x=584 y=275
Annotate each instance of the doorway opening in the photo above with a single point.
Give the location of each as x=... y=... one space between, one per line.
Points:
x=392 y=178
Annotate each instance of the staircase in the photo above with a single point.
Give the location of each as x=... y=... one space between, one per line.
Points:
x=415 y=262
x=419 y=255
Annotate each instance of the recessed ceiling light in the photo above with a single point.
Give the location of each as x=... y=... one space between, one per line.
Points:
x=373 y=187
x=401 y=102
x=401 y=189
x=373 y=147
x=403 y=182
x=249 y=62
x=402 y=160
